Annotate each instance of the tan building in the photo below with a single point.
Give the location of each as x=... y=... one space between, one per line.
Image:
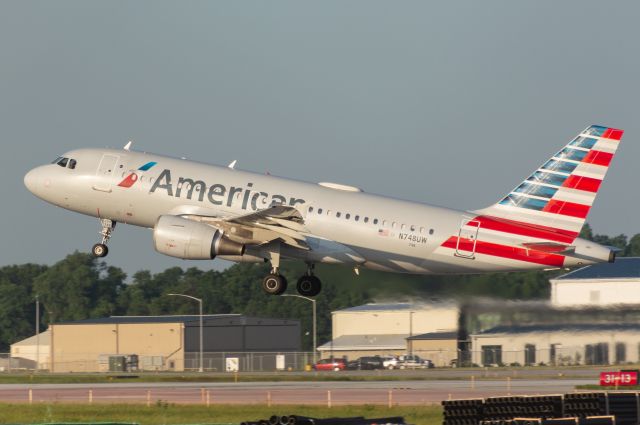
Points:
x=439 y=347
x=383 y=329
x=168 y=343
x=27 y=351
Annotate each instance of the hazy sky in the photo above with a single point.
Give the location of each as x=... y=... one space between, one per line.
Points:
x=451 y=102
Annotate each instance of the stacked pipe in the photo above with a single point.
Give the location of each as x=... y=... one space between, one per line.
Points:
x=624 y=406
x=303 y=420
x=463 y=412
x=544 y=407
x=582 y=405
x=590 y=420
x=497 y=408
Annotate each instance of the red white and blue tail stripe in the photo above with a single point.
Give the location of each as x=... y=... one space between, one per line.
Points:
x=560 y=193
x=538 y=222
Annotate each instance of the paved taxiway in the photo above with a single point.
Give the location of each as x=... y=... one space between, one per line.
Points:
x=369 y=392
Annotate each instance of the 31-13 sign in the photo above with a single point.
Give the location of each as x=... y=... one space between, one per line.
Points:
x=611 y=379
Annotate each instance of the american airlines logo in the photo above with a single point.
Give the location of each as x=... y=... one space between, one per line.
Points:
x=133 y=176
x=219 y=194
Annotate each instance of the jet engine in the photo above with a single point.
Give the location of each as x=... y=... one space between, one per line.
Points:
x=594 y=251
x=191 y=240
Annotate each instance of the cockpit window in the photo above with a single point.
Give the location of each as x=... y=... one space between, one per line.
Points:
x=65 y=162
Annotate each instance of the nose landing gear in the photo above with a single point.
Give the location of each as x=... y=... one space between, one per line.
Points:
x=100 y=250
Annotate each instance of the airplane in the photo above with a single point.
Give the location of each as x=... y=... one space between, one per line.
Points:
x=199 y=211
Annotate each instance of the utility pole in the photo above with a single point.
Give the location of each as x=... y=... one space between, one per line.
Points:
x=37 y=333
x=201 y=367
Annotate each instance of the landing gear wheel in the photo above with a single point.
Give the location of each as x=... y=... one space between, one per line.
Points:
x=274 y=284
x=99 y=250
x=309 y=286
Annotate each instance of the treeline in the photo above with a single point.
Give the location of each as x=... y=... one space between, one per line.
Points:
x=80 y=287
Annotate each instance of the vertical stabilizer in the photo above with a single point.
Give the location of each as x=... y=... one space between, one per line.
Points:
x=559 y=194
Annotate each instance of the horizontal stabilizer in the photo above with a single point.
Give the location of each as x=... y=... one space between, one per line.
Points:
x=550 y=247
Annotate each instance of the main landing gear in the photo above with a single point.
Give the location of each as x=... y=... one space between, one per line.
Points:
x=100 y=250
x=275 y=284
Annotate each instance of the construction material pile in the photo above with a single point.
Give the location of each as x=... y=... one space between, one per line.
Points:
x=303 y=420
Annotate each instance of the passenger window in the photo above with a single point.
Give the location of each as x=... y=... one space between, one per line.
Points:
x=310 y=209
x=72 y=163
x=347 y=216
x=366 y=219
x=338 y=214
x=393 y=224
x=319 y=210
x=422 y=230
x=375 y=221
x=384 y=223
x=357 y=218
x=403 y=227
x=413 y=228
x=431 y=231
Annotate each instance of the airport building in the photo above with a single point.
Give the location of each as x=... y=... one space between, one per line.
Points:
x=599 y=285
x=30 y=353
x=593 y=318
x=383 y=329
x=169 y=343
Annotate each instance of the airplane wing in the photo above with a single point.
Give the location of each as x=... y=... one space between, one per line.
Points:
x=278 y=222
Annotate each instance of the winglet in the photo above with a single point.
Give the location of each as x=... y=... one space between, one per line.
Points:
x=128 y=145
x=232 y=165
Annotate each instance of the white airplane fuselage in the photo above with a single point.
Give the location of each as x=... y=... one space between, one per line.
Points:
x=341 y=224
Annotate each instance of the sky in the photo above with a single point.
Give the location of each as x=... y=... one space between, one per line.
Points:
x=450 y=103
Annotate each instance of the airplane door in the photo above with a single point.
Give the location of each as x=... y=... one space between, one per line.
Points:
x=467 y=239
x=105 y=172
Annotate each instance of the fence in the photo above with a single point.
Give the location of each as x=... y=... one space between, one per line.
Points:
x=487 y=355
x=130 y=362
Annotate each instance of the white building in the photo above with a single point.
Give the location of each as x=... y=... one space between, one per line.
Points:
x=602 y=284
x=382 y=329
x=26 y=352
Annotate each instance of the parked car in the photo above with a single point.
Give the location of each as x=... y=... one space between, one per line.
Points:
x=366 y=363
x=330 y=364
x=390 y=362
x=414 y=362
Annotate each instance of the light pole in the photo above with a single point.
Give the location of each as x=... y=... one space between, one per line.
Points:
x=315 y=335
x=200 y=369
x=37 y=333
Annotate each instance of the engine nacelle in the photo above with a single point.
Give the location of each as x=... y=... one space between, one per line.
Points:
x=191 y=240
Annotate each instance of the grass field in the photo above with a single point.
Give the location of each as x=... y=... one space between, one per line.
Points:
x=165 y=414
x=45 y=378
x=418 y=375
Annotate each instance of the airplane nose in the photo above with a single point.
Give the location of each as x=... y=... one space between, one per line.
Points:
x=29 y=180
x=32 y=180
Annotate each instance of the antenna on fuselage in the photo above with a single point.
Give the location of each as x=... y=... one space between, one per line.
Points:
x=128 y=145
x=232 y=165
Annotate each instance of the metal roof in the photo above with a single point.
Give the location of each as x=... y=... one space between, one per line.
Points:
x=151 y=319
x=557 y=327
x=623 y=268
x=44 y=339
x=435 y=336
x=366 y=342
x=396 y=306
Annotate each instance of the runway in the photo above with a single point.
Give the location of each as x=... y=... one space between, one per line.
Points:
x=278 y=393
